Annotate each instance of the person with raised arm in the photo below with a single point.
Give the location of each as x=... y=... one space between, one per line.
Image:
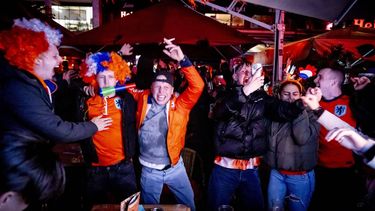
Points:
x=162 y=119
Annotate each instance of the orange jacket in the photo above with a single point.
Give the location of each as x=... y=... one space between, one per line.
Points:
x=178 y=109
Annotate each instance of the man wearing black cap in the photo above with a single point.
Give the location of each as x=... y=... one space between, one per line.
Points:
x=162 y=121
x=162 y=87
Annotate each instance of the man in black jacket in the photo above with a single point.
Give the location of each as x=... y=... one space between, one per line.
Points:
x=240 y=138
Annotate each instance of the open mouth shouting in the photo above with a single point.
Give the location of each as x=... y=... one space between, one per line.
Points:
x=160 y=97
x=246 y=80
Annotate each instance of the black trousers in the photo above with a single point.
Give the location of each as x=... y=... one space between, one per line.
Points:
x=109 y=184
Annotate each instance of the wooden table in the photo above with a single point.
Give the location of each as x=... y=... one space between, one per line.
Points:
x=147 y=207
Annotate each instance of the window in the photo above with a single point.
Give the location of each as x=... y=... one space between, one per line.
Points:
x=227 y=19
x=74 y=18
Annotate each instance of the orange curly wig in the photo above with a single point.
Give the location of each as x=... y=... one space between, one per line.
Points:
x=23 y=46
x=103 y=61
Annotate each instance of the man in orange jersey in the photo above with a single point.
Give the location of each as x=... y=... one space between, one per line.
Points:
x=109 y=153
x=335 y=173
x=161 y=122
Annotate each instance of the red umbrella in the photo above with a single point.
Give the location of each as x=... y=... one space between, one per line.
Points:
x=168 y=19
x=349 y=38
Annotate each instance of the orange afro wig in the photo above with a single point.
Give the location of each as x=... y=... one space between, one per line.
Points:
x=22 y=47
x=26 y=40
x=103 y=61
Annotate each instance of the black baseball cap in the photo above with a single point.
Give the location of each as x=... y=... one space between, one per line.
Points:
x=168 y=77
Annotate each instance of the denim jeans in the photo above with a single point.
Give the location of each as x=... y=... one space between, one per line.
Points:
x=294 y=190
x=117 y=180
x=225 y=182
x=152 y=181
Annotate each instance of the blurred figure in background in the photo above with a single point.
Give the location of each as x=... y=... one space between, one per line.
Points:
x=67 y=98
x=30 y=172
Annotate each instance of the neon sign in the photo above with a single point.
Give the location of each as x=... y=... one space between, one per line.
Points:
x=364 y=24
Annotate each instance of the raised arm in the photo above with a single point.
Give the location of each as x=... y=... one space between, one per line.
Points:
x=351 y=139
x=190 y=96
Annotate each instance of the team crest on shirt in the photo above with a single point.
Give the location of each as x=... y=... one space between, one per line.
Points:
x=340 y=110
x=118 y=103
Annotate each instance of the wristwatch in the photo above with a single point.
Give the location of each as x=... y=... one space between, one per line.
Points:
x=183 y=59
x=369 y=154
x=318 y=112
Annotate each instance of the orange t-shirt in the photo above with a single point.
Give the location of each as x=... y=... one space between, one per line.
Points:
x=108 y=143
x=332 y=154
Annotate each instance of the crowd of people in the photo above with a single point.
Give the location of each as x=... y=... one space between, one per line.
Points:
x=314 y=144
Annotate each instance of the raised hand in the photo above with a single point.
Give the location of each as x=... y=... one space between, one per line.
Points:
x=89 y=90
x=312 y=98
x=102 y=123
x=347 y=137
x=70 y=74
x=253 y=84
x=126 y=49
x=286 y=74
x=172 y=50
x=360 y=82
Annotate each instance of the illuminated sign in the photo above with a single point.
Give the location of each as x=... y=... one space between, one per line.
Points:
x=124 y=13
x=363 y=23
